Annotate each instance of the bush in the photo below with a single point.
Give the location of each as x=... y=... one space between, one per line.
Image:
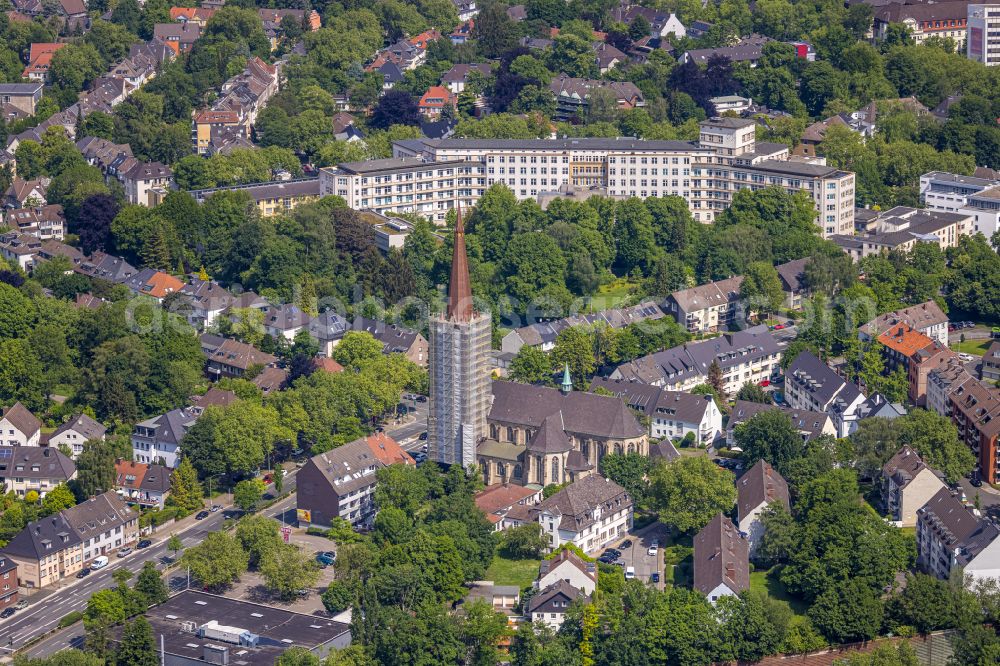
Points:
x=571 y=547
x=70 y=619
x=338 y=597
x=156 y=518
x=318 y=531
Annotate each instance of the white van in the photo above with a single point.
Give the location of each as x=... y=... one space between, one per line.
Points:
x=99 y=562
x=629 y=573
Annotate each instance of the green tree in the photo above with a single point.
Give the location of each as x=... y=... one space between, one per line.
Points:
x=248 y=493
x=175 y=545
x=748 y=631
x=628 y=470
x=522 y=542
x=688 y=492
x=770 y=436
x=481 y=630
x=258 y=535
x=575 y=347
x=17 y=312
x=761 y=288
x=928 y=604
x=150 y=584
x=848 y=612
x=752 y=392
x=531 y=366
x=57 y=499
x=356 y=348
x=185 y=490
x=286 y=570
x=402 y=487
x=137 y=647
x=339 y=596
x=95 y=468
x=217 y=561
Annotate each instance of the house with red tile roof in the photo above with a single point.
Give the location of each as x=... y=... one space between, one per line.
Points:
x=39 y=60
x=437 y=98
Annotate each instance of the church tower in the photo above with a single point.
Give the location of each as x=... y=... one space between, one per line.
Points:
x=459 y=368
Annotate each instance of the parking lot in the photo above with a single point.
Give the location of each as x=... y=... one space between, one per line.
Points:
x=638 y=556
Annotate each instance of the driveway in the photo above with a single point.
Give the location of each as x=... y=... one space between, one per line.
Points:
x=638 y=556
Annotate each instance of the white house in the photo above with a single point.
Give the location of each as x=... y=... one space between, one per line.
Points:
x=907 y=485
x=19 y=427
x=105 y=524
x=549 y=605
x=569 y=567
x=672 y=414
x=81 y=428
x=812 y=384
x=951 y=538
x=755 y=490
x=589 y=513
x=158 y=440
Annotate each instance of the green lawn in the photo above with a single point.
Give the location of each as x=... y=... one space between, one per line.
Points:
x=504 y=571
x=974 y=347
x=770 y=585
x=612 y=295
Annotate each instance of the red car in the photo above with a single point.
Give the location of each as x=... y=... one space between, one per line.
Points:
x=778 y=327
x=766 y=382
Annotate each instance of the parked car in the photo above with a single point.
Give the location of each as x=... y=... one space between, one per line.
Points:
x=6 y=612
x=652 y=551
x=202 y=515
x=606 y=559
x=99 y=562
x=215 y=507
x=326 y=558
x=421 y=398
x=145 y=543
x=22 y=604
x=423 y=436
x=124 y=552
x=629 y=573
x=654 y=577
x=83 y=573
x=626 y=544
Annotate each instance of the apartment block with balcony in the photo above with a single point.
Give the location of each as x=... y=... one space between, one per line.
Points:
x=709 y=307
x=975 y=411
x=951 y=539
x=406 y=185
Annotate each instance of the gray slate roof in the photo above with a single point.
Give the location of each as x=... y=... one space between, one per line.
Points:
x=761 y=484
x=904 y=466
x=654 y=401
x=791 y=274
x=820 y=379
x=582 y=413
x=35 y=462
x=721 y=555
x=83 y=424
x=555 y=598
x=22 y=419
x=577 y=501
x=805 y=421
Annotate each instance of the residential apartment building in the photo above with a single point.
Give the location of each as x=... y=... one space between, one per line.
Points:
x=721 y=560
x=8 y=582
x=941 y=382
x=153 y=283
x=808 y=423
x=951 y=538
x=395 y=339
x=708 y=308
x=983 y=42
x=225 y=357
x=570 y=567
x=907 y=485
x=811 y=384
x=271 y=198
x=105 y=524
x=340 y=483
x=204 y=301
x=672 y=414
x=58 y=546
x=158 y=440
x=24 y=469
x=922 y=363
x=927 y=318
x=975 y=411
x=573 y=95
x=43 y=222
x=406 y=185
x=543 y=334
x=589 y=513
x=759 y=487
x=751 y=355
x=706 y=173
x=23 y=96
x=146 y=183
x=936 y=19
x=548 y=606
x=902 y=227
x=899 y=343
x=990 y=369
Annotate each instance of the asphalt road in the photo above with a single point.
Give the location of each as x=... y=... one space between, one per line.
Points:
x=48 y=607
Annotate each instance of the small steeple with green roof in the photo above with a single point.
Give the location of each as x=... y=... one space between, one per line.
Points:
x=567 y=381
